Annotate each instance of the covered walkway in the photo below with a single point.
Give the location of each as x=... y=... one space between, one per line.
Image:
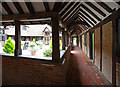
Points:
x=81 y=71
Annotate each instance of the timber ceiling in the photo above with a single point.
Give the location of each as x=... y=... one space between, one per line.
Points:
x=77 y=16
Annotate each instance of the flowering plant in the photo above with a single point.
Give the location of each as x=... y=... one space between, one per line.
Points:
x=32 y=46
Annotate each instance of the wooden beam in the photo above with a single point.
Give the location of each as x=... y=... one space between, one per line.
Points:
x=28 y=16
x=67 y=8
x=103 y=5
x=81 y=27
x=47 y=8
x=77 y=40
x=72 y=19
x=66 y=44
x=84 y=27
x=81 y=22
x=18 y=50
x=84 y=21
x=76 y=23
x=70 y=10
x=7 y=8
x=88 y=16
x=62 y=6
x=74 y=30
x=96 y=8
x=89 y=11
x=18 y=7
x=30 y=7
x=55 y=39
x=67 y=39
x=56 y=6
x=76 y=9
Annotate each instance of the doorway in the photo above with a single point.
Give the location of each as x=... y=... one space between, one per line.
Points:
x=74 y=41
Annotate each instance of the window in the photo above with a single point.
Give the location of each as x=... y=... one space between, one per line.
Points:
x=85 y=39
x=7 y=43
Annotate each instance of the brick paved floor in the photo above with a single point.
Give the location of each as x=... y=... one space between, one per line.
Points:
x=81 y=73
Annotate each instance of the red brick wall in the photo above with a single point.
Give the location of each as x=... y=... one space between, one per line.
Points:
x=97 y=47
x=107 y=50
x=19 y=71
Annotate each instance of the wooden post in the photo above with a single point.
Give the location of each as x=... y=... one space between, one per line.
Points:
x=63 y=39
x=31 y=38
x=18 y=50
x=67 y=39
x=55 y=38
x=77 y=40
x=72 y=41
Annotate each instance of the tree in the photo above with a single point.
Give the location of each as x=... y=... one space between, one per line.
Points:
x=9 y=46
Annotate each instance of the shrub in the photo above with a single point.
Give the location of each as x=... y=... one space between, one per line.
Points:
x=41 y=45
x=60 y=43
x=51 y=43
x=74 y=38
x=9 y=46
x=48 y=53
x=34 y=40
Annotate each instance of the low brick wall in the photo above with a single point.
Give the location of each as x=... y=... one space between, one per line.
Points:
x=24 y=71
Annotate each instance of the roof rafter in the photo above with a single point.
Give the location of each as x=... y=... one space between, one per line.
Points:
x=30 y=7
x=76 y=23
x=72 y=18
x=89 y=11
x=88 y=16
x=73 y=12
x=84 y=21
x=81 y=27
x=103 y=5
x=47 y=8
x=7 y=8
x=96 y=9
x=76 y=12
x=18 y=7
x=81 y=22
x=56 y=6
x=66 y=8
x=62 y=6
x=68 y=11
